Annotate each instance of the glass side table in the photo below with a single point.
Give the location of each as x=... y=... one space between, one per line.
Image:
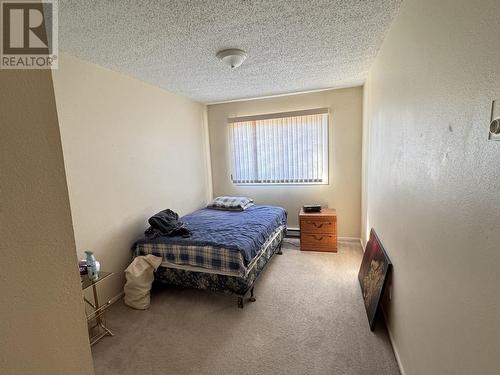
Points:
x=97 y=309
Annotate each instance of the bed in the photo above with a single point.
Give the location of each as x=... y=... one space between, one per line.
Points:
x=226 y=252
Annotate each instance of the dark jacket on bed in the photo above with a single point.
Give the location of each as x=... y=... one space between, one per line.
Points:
x=166 y=223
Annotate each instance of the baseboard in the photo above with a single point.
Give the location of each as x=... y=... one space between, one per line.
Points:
x=391 y=339
x=348 y=239
x=117 y=297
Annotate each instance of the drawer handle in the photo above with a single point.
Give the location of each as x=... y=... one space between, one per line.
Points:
x=318 y=238
x=316 y=225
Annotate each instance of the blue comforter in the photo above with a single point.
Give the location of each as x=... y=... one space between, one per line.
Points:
x=241 y=231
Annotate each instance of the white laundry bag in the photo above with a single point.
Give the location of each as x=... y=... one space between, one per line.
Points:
x=140 y=275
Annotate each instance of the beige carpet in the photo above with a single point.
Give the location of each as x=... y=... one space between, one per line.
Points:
x=308 y=319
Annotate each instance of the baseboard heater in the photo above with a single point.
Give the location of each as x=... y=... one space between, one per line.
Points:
x=293 y=232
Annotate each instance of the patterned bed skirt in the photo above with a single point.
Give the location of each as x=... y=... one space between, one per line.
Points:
x=216 y=282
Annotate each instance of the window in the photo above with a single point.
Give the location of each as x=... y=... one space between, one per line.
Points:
x=282 y=148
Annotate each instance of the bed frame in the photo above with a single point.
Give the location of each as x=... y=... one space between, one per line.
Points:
x=241 y=297
x=234 y=285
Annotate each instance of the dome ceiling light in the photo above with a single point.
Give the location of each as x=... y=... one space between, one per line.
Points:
x=232 y=57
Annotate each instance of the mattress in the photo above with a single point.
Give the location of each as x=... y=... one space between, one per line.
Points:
x=208 y=280
x=222 y=242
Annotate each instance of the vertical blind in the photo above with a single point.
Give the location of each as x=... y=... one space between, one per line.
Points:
x=284 y=148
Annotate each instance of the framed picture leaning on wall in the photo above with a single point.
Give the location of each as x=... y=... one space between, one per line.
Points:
x=372 y=276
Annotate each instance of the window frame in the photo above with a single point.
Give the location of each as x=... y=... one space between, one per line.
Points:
x=276 y=115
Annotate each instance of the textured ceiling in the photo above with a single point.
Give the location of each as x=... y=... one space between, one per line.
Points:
x=292 y=46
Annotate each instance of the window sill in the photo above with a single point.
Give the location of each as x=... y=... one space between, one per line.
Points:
x=283 y=184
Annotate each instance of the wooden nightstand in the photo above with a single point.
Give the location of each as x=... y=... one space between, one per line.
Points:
x=318 y=230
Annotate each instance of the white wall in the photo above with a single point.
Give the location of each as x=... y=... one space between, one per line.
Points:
x=43 y=329
x=432 y=182
x=344 y=189
x=130 y=150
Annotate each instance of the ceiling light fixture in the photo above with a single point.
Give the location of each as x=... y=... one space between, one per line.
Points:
x=232 y=57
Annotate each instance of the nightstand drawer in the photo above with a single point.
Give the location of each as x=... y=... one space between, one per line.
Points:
x=318 y=242
x=318 y=225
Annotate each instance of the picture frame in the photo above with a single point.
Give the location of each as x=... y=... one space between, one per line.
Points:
x=372 y=276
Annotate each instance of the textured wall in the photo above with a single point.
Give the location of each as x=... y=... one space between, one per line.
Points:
x=130 y=150
x=42 y=325
x=344 y=190
x=432 y=183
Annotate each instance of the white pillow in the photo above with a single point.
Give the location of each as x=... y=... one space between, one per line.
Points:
x=231 y=203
